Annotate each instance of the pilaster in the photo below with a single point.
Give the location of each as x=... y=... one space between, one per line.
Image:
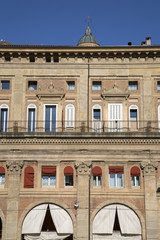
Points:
x=14 y=172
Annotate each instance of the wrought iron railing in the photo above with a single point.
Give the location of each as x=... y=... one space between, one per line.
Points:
x=80 y=126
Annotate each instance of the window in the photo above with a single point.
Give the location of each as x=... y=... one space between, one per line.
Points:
x=32 y=85
x=31 y=118
x=48 y=176
x=158 y=85
x=96 y=85
x=2 y=176
x=97 y=176
x=133 y=85
x=96 y=118
x=70 y=116
x=4 y=118
x=116 y=176
x=115 y=123
x=5 y=85
x=50 y=118
x=135 y=176
x=133 y=117
x=68 y=176
x=71 y=85
x=29 y=177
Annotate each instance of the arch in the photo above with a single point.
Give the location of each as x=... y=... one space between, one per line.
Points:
x=4 y=113
x=2 y=219
x=97 y=118
x=133 y=117
x=35 y=218
x=128 y=221
x=69 y=116
x=39 y=202
x=31 y=117
x=68 y=176
x=29 y=177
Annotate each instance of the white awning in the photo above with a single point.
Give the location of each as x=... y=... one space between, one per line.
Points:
x=46 y=236
x=128 y=220
x=104 y=220
x=34 y=220
x=61 y=219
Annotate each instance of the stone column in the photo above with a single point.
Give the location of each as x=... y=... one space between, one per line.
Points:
x=149 y=173
x=14 y=172
x=83 y=200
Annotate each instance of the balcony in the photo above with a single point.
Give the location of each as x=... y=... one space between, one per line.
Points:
x=79 y=126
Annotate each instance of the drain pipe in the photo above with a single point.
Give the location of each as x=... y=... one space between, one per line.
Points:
x=89 y=203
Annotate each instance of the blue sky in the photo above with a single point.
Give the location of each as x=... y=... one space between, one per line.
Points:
x=63 y=22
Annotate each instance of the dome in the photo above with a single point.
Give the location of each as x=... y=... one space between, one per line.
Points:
x=88 y=39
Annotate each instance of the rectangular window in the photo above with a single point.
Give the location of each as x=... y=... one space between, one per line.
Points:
x=96 y=85
x=4 y=120
x=32 y=85
x=158 y=85
x=97 y=181
x=135 y=181
x=116 y=178
x=49 y=176
x=68 y=180
x=31 y=120
x=133 y=85
x=50 y=118
x=5 y=85
x=71 y=85
x=2 y=179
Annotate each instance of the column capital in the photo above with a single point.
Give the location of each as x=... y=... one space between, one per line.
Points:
x=14 y=167
x=149 y=168
x=83 y=168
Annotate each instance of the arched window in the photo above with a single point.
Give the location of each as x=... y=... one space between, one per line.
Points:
x=31 y=118
x=68 y=176
x=2 y=176
x=96 y=118
x=29 y=177
x=70 y=116
x=97 y=176
x=133 y=117
x=135 y=176
x=4 y=117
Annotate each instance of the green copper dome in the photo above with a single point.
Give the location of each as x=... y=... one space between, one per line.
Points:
x=88 y=39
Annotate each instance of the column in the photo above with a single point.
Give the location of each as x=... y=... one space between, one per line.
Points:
x=14 y=172
x=83 y=200
x=149 y=173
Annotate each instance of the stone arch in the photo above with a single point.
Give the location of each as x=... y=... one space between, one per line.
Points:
x=2 y=217
x=126 y=204
x=37 y=203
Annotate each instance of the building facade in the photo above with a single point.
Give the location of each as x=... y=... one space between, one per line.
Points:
x=80 y=141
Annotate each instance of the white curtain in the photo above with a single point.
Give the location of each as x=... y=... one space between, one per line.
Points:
x=104 y=220
x=61 y=219
x=128 y=220
x=115 y=236
x=34 y=220
x=46 y=236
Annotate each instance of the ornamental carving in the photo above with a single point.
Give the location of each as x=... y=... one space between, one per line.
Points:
x=115 y=93
x=149 y=168
x=83 y=168
x=14 y=167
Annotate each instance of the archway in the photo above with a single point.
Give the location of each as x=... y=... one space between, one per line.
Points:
x=47 y=222
x=116 y=222
x=0 y=229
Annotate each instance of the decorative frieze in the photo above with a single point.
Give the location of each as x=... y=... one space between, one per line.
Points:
x=83 y=168
x=14 y=167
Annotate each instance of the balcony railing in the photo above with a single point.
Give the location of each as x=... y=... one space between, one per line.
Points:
x=80 y=126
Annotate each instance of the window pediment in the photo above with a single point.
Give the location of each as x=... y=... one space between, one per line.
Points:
x=115 y=93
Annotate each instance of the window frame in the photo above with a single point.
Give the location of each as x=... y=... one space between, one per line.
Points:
x=158 y=85
x=135 y=181
x=31 y=106
x=96 y=87
x=97 y=180
x=116 y=180
x=4 y=106
x=71 y=87
x=69 y=123
x=132 y=86
x=3 y=81
x=44 y=115
x=32 y=88
x=96 y=124
x=134 y=107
